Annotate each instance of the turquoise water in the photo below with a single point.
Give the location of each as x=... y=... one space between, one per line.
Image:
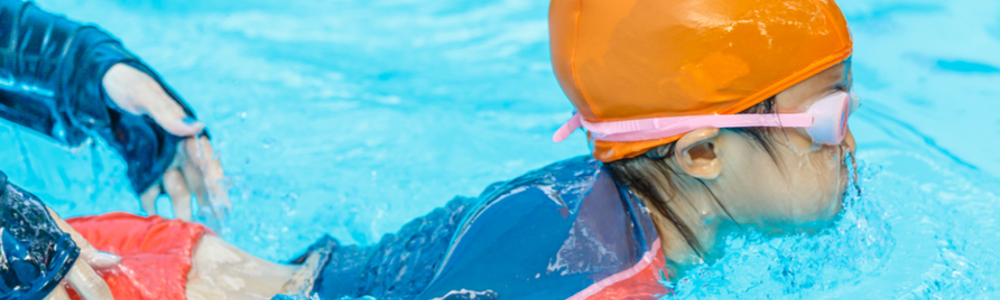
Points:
x=351 y=117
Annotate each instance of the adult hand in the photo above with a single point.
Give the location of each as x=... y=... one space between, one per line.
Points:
x=196 y=169
x=82 y=276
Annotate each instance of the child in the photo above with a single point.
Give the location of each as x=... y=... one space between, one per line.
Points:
x=704 y=117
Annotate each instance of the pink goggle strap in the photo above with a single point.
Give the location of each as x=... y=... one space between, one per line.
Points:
x=825 y=121
x=657 y=128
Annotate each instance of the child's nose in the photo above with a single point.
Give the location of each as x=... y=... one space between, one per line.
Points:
x=849 y=141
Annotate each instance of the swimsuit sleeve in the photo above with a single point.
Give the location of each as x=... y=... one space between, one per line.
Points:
x=36 y=253
x=506 y=250
x=561 y=232
x=51 y=72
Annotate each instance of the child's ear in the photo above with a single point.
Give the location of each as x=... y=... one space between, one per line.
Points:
x=697 y=153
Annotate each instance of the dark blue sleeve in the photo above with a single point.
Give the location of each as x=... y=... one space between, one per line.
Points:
x=36 y=253
x=507 y=249
x=51 y=72
x=549 y=234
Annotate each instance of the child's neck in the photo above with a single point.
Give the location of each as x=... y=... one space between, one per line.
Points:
x=697 y=209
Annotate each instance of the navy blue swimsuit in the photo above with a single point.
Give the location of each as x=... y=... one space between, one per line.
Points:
x=550 y=234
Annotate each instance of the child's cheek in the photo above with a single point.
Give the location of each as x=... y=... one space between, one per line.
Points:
x=811 y=189
x=794 y=139
x=828 y=186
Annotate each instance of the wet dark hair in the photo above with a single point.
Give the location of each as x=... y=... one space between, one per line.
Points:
x=644 y=173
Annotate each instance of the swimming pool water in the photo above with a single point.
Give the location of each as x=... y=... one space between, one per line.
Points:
x=351 y=117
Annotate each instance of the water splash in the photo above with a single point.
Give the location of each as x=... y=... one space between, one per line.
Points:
x=756 y=266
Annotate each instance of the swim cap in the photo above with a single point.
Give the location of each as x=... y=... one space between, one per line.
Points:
x=636 y=59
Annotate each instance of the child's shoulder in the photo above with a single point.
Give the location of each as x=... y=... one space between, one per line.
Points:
x=547 y=234
x=555 y=191
x=566 y=176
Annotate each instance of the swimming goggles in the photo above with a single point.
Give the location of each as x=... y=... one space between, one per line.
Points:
x=825 y=122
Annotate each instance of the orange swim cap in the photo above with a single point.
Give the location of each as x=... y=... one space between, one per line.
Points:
x=636 y=59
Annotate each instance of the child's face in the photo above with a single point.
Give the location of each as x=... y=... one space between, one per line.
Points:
x=802 y=184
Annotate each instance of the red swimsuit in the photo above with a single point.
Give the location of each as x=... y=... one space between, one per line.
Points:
x=156 y=253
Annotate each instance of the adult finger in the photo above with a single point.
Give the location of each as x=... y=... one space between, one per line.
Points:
x=203 y=155
x=148 y=199
x=87 y=283
x=88 y=254
x=120 y=84
x=180 y=196
x=59 y=293
x=138 y=93
x=203 y=172
x=194 y=179
x=168 y=113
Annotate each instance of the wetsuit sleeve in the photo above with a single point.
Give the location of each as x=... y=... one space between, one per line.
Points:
x=51 y=72
x=507 y=250
x=36 y=253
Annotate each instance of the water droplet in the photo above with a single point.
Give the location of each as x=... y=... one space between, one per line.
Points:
x=288 y=203
x=268 y=143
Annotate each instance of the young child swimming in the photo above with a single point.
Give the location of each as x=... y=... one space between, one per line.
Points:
x=704 y=117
